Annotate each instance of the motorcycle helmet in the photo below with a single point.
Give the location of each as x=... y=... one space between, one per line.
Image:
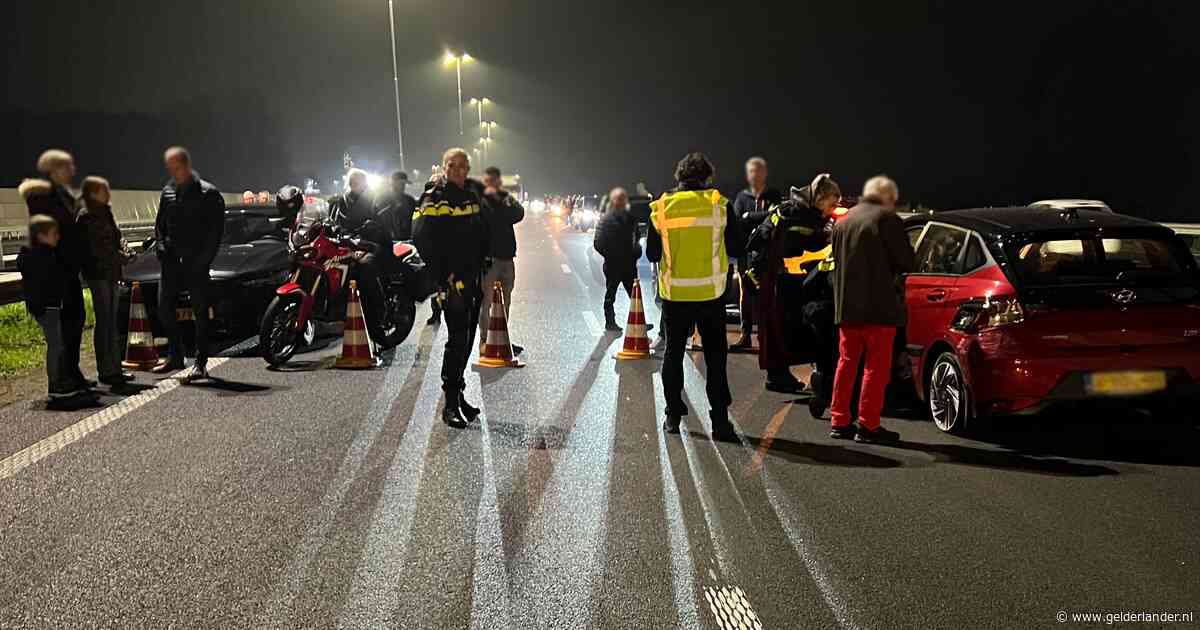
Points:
x=289 y=199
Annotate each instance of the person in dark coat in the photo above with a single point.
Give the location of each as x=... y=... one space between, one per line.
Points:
x=453 y=240
x=188 y=230
x=102 y=267
x=798 y=225
x=356 y=214
x=752 y=207
x=59 y=203
x=871 y=253
x=395 y=210
x=616 y=240
x=501 y=211
x=43 y=282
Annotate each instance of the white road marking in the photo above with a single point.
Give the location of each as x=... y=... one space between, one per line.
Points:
x=278 y=611
x=593 y=323
x=566 y=268
x=490 y=608
x=38 y=451
x=373 y=593
x=683 y=572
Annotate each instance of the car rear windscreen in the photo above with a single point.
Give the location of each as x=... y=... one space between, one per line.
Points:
x=1110 y=259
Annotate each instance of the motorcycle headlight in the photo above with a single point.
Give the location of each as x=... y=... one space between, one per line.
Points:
x=303 y=236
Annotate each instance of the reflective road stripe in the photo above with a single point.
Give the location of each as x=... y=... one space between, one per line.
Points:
x=35 y=453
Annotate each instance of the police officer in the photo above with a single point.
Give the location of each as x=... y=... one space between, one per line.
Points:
x=693 y=232
x=453 y=239
x=800 y=224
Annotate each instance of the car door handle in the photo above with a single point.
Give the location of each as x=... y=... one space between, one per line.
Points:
x=936 y=295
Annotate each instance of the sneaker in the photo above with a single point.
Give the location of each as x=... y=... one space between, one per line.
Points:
x=517 y=350
x=878 y=436
x=198 y=373
x=118 y=380
x=470 y=411
x=843 y=433
x=671 y=424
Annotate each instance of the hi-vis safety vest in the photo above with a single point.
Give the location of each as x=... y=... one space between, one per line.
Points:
x=694 y=262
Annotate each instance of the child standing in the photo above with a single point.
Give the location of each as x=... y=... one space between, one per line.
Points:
x=106 y=254
x=44 y=281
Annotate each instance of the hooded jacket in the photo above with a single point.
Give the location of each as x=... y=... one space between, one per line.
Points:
x=43 y=197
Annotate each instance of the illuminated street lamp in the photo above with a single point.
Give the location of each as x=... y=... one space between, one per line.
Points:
x=478 y=103
x=458 y=61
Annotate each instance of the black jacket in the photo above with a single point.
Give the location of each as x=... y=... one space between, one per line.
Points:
x=351 y=211
x=190 y=221
x=106 y=252
x=616 y=239
x=395 y=212
x=753 y=210
x=43 y=197
x=871 y=252
x=790 y=229
x=449 y=230
x=502 y=212
x=43 y=279
x=735 y=243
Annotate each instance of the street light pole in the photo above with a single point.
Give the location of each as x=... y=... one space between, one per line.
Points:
x=458 y=64
x=396 y=83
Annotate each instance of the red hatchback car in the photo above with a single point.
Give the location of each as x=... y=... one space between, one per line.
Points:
x=1011 y=309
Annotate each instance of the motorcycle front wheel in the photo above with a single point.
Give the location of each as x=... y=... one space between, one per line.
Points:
x=279 y=335
x=401 y=315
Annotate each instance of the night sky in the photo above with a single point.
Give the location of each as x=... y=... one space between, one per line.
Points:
x=964 y=103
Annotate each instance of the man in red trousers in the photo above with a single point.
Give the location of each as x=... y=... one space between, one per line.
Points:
x=871 y=254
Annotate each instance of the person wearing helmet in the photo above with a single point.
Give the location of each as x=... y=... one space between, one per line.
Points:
x=289 y=201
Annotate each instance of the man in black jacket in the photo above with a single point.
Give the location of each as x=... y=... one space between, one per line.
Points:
x=501 y=211
x=356 y=214
x=871 y=253
x=452 y=237
x=59 y=203
x=616 y=240
x=751 y=206
x=189 y=226
x=395 y=210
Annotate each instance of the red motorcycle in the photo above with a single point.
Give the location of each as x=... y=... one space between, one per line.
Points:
x=322 y=259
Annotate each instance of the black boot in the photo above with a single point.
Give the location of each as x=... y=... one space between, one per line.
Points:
x=722 y=428
x=610 y=323
x=451 y=414
x=671 y=423
x=470 y=411
x=781 y=380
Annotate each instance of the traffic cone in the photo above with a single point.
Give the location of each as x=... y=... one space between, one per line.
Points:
x=497 y=351
x=637 y=344
x=356 y=345
x=141 y=353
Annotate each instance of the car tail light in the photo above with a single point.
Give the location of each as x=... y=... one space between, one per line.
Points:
x=989 y=312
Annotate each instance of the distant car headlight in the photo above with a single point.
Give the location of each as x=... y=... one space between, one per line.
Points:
x=589 y=216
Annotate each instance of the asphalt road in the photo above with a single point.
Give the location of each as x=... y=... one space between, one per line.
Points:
x=319 y=498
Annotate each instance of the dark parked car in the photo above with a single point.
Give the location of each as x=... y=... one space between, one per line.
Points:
x=1011 y=309
x=251 y=263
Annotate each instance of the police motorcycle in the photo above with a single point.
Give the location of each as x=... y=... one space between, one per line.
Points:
x=318 y=288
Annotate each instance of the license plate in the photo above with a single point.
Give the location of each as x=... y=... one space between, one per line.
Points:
x=1127 y=383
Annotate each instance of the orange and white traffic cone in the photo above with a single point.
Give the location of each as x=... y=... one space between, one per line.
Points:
x=141 y=353
x=637 y=344
x=356 y=345
x=497 y=350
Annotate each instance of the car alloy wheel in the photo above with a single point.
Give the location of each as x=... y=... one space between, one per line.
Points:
x=948 y=396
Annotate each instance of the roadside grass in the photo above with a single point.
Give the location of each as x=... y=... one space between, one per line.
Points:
x=22 y=348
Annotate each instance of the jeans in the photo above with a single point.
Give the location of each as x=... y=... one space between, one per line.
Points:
x=504 y=271
x=60 y=384
x=614 y=278
x=106 y=337
x=857 y=340
x=71 y=320
x=679 y=319
x=178 y=276
x=461 y=309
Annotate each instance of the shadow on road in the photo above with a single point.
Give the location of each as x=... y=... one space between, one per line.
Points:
x=231 y=387
x=1005 y=460
x=1130 y=438
x=821 y=454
